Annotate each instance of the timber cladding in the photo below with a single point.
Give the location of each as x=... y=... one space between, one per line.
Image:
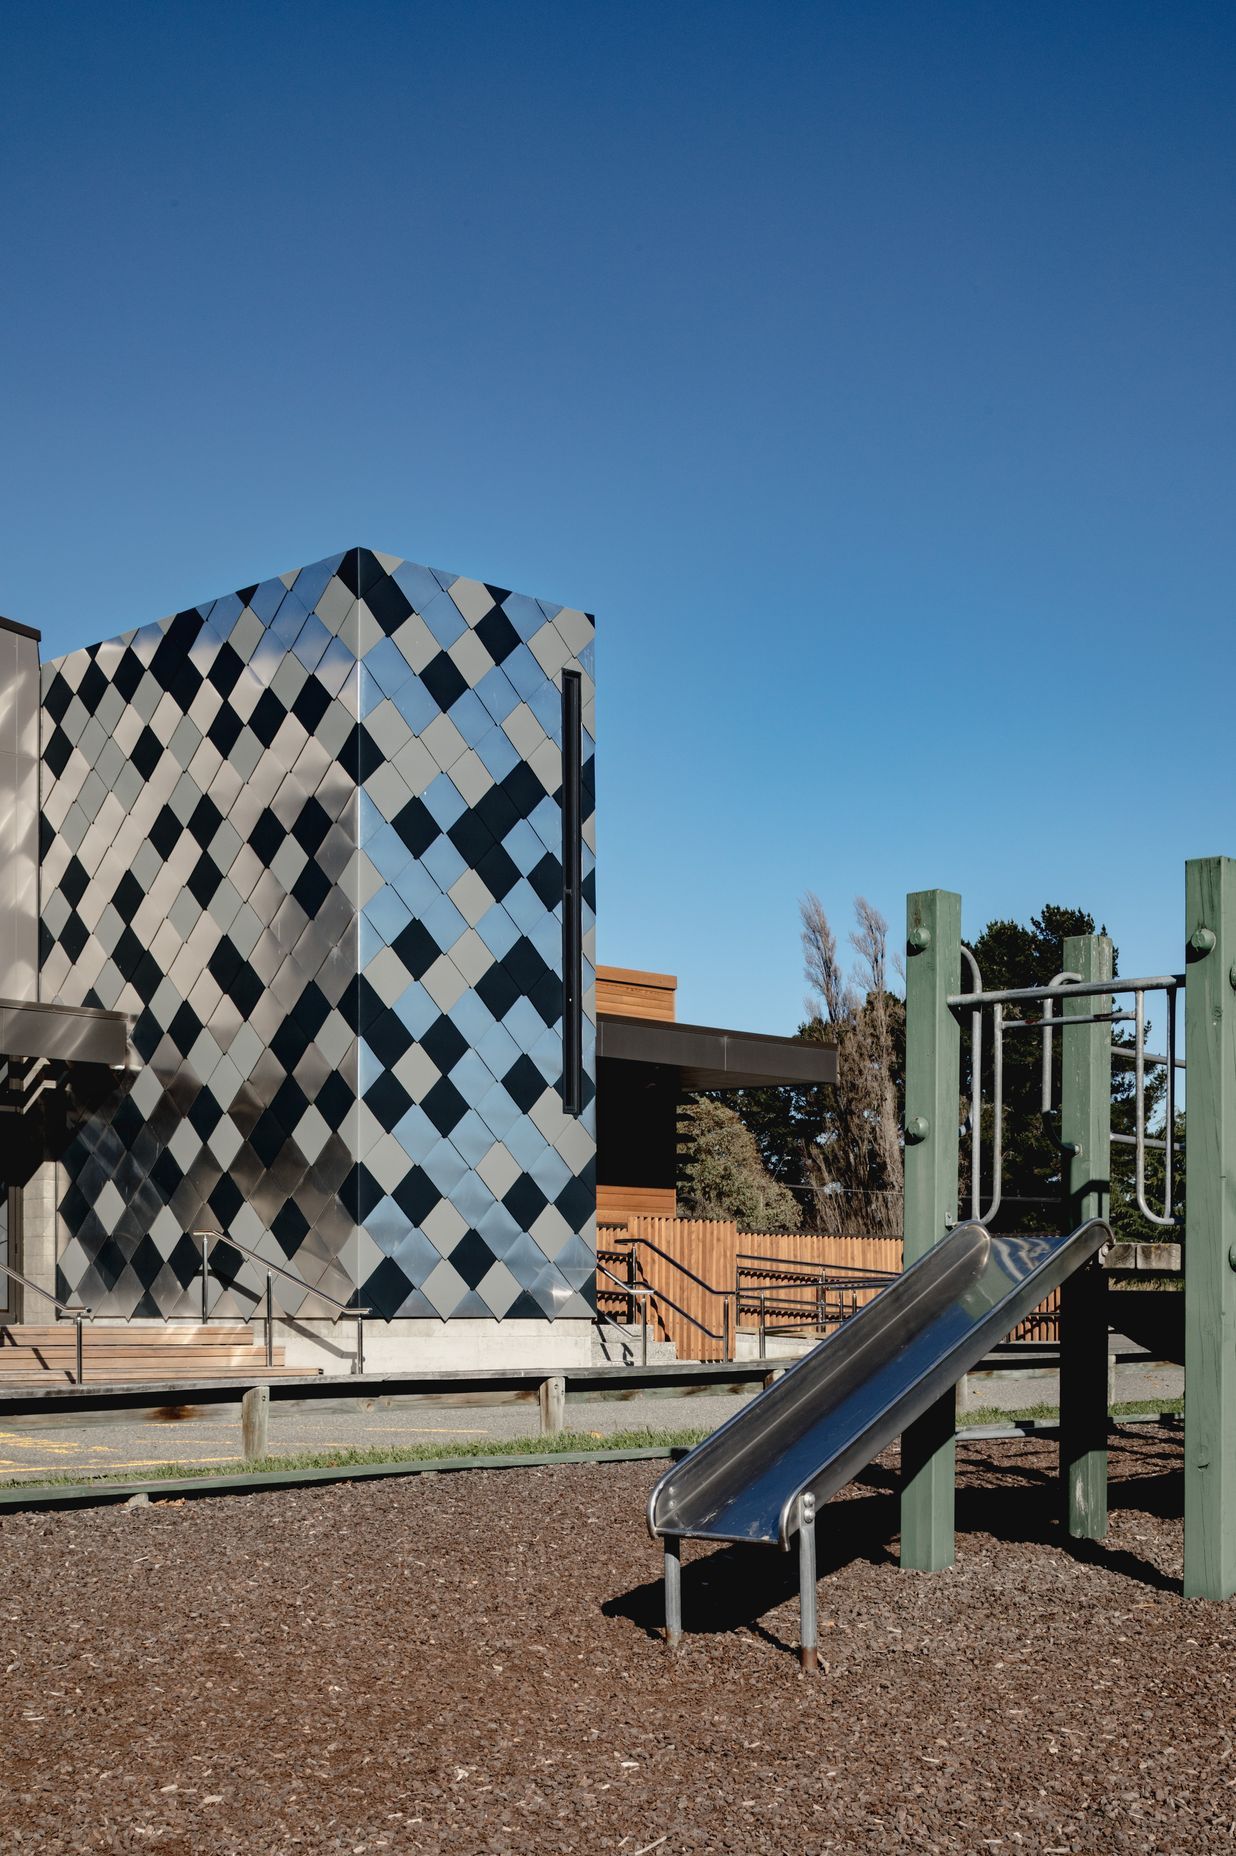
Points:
x=697 y=1268
x=628 y=992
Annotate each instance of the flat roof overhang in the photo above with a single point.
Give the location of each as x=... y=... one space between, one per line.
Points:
x=707 y=1058
x=66 y=1033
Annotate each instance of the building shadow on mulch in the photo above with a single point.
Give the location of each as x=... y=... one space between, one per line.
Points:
x=733 y=1587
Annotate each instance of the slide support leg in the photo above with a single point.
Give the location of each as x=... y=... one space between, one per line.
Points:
x=673 y=1591
x=808 y=1628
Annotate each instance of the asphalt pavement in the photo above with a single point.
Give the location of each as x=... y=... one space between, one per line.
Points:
x=94 y=1445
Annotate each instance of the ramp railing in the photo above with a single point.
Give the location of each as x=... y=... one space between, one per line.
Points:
x=208 y=1238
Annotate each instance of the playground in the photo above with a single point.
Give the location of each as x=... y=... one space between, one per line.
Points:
x=474 y=1663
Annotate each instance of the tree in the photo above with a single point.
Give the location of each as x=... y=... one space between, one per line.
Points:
x=721 y=1173
x=855 y=1168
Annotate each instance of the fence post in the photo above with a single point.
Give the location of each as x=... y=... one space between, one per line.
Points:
x=1210 y=1229
x=933 y=1089
x=254 y=1423
x=551 y=1396
x=1085 y=1138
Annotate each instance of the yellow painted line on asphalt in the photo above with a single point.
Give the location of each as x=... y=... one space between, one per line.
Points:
x=9 y=1440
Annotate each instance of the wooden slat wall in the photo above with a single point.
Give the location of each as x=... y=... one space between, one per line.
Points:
x=710 y=1248
x=615 y=1204
x=624 y=992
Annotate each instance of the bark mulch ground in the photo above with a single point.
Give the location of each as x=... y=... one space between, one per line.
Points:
x=471 y=1663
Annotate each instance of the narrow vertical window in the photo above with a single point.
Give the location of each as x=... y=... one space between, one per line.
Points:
x=572 y=916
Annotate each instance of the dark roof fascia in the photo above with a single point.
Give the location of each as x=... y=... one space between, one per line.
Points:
x=707 y=1057
x=23 y=631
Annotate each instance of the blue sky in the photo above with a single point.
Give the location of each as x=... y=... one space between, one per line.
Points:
x=867 y=369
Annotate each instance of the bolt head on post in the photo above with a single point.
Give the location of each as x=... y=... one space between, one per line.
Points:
x=1202 y=940
x=919 y=939
x=917 y=1128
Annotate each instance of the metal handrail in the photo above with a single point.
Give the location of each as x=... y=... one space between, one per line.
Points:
x=207 y=1238
x=79 y=1314
x=725 y=1296
x=630 y=1290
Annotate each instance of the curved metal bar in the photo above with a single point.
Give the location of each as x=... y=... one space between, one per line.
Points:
x=976 y=1085
x=1089 y=989
x=1065 y=977
x=1139 y=1119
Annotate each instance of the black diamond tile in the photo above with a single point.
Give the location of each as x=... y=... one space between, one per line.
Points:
x=266 y=837
x=268 y=717
x=165 y=832
x=225 y=731
x=471 y=837
x=388 y=604
x=226 y=669
x=290 y=1227
x=523 y=789
x=498 y=872
x=59 y=696
x=386 y=1290
x=311 y=1009
x=56 y=753
x=496 y=990
x=416 y=826
x=444 y=1044
x=226 y=1201
x=74 y=883
x=147 y=753
x=524 y=964
x=472 y=1257
x=92 y=689
x=524 y=1083
x=443 y=680
x=416 y=1195
x=416 y=948
x=525 y=1201
x=360 y=755
x=334 y=1099
x=497 y=634
x=289 y=1105
x=546 y=881
x=311 y=826
x=311 y=889
x=388 y=1100
x=311 y=705
x=204 y=879
x=204 y=821
x=360 y=1193
x=387 y=1037
x=444 y=1105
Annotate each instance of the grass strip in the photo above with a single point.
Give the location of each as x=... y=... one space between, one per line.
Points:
x=1050 y=1414
x=565 y=1442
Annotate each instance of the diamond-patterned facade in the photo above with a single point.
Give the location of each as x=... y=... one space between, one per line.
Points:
x=310 y=837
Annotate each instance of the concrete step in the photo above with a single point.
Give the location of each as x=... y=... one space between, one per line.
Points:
x=620 y=1346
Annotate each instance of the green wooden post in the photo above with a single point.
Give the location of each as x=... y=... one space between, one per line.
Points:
x=933 y=1093
x=1210 y=1230
x=1085 y=1135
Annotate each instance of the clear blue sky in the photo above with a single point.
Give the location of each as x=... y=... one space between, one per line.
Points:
x=866 y=368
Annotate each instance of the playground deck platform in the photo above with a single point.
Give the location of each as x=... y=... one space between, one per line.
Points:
x=453 y=1665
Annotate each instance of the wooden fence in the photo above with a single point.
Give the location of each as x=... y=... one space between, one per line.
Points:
x=694 y=1266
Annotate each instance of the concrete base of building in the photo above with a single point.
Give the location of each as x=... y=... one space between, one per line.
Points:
x=435 y=1346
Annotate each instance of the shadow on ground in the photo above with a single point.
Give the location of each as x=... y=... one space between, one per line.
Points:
x=734 y=1587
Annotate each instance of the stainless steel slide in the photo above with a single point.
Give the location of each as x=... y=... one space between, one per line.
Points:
x=838 y=1407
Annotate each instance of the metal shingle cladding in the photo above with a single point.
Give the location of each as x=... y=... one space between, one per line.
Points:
x=309 y=835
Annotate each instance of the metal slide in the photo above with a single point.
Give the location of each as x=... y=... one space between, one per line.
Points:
x=802 y=1439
